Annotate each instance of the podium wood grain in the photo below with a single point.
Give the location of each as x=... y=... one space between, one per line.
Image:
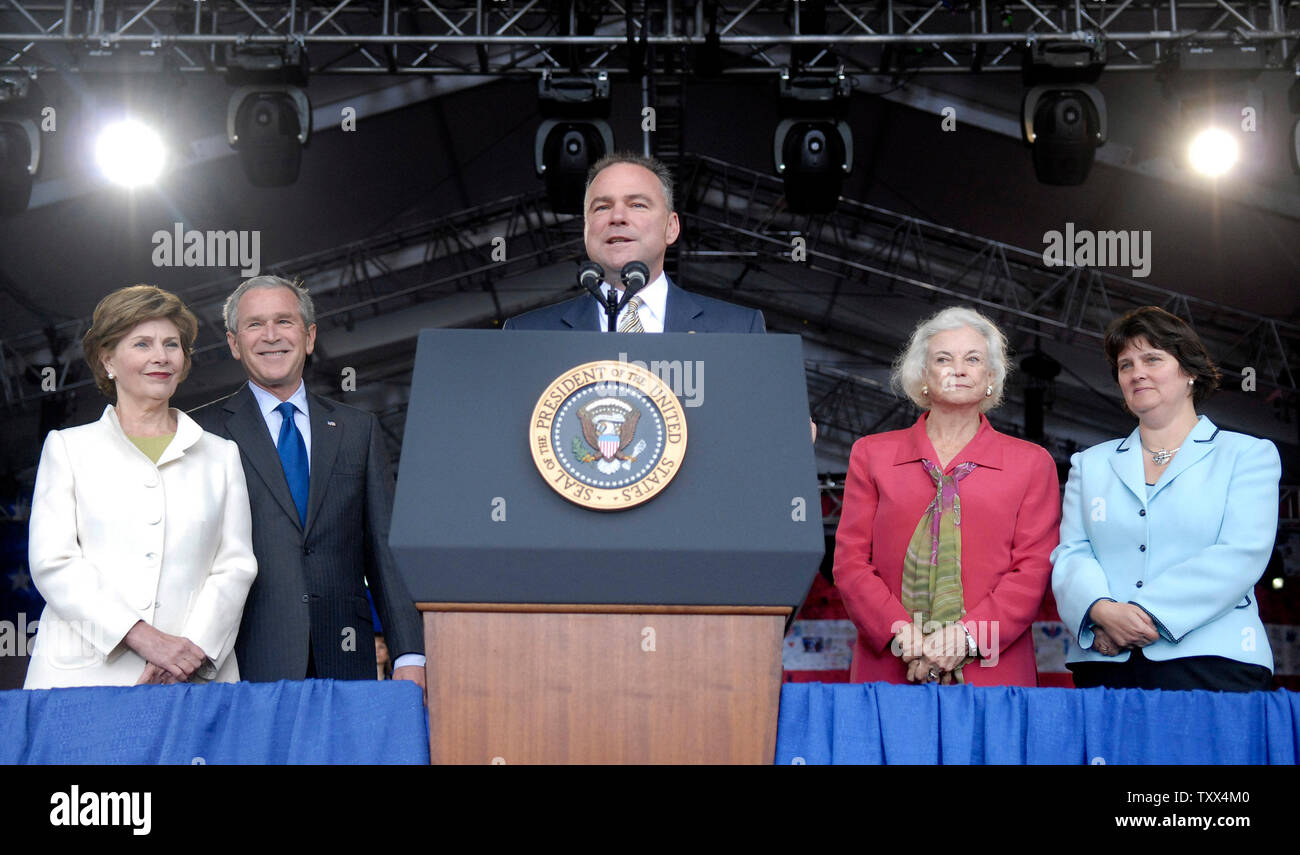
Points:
x=532 y=684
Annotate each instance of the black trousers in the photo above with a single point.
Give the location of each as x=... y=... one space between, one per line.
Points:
x=1213 y=673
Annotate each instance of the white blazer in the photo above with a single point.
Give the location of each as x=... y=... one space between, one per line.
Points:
x=115 y=539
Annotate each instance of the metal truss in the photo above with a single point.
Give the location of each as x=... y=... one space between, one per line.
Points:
x=622 y=36
x=374 y=276
x=736 y=219
x=864 y=251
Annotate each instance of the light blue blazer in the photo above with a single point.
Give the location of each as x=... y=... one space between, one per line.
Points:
x=1189 y=554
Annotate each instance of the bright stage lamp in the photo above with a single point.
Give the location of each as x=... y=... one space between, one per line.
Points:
x=130 y=153
x=1212 y=152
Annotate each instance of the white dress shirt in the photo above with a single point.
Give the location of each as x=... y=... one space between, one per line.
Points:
x=268 y=402
x=654 y=305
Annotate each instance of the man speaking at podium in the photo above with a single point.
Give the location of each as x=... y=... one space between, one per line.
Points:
x=628 y=216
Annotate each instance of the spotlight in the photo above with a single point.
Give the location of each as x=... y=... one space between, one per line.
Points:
x=20 y=147
x=567 y=150
x=573 y=136
x=130 y=153
x=1212 y=152
x=812 y=147
x=1063 y=124
x=268 y=125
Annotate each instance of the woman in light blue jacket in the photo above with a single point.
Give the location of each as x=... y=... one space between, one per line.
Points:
x=1165 y=533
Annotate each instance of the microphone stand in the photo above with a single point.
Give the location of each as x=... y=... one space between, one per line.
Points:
x=613 y=305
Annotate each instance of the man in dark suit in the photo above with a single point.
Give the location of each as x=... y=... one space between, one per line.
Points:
x=319 y=487
x=628 y=215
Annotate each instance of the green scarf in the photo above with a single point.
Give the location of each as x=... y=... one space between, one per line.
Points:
x=932 y=567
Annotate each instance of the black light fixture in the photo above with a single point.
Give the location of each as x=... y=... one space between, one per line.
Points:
x=20 y=146
x=268 y=119
x=812 y=148
x=1040 y=390
x=1063 y=117
x=573 y=135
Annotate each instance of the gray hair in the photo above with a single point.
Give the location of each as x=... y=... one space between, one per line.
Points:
x=909 y=369
x=305 y=306
x=653 y=164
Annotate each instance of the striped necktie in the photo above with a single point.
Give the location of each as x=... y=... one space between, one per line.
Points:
x=631 y=320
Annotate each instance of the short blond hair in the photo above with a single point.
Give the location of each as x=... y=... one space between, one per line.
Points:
x=124 y=310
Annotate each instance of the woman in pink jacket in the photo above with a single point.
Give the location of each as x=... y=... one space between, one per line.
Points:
x=942 y=553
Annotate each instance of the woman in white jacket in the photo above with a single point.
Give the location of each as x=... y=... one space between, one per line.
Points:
x=140 y=538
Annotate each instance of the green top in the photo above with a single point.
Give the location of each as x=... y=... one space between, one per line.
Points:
x=152 y=446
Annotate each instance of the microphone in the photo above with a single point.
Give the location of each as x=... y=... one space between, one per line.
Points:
x=590 y=275
x=635 y=276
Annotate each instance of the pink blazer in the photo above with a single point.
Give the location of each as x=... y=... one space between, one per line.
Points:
x=1010 y=523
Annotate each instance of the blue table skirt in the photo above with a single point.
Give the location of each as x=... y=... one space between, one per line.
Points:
x=315 y=721
x=886 y=723
x=324 y=721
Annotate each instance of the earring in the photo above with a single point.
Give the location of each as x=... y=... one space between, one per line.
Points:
x=925 y=390
x=988 y=393
x=1191 y=380
x=110 y=375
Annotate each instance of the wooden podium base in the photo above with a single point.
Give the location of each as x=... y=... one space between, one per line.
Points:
x=602 y=684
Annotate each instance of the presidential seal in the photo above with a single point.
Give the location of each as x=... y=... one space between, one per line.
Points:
x=608 y=435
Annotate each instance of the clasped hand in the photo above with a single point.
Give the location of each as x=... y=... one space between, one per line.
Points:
x=1120 y=626
x=933 y=657
x=168 y=658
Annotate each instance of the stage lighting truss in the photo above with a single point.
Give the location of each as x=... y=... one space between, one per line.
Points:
x=514 y=37
x=573 y=135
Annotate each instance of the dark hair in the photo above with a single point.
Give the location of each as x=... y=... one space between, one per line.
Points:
x=1169 y=333
x=653 y=164
x=122 y=311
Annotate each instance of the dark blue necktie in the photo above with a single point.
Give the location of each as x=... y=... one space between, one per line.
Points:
x=293 y=457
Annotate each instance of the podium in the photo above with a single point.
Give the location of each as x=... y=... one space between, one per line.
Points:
x=559 y=632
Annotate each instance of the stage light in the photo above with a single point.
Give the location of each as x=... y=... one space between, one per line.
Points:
x=20 y=146
x=130 y=153
x=1064 y=125
x=812 y=148
x=1277 y=583
x=1212 y=152
x=572 y=136
x=813 y=158
x=269 y=125
x=567 y=151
